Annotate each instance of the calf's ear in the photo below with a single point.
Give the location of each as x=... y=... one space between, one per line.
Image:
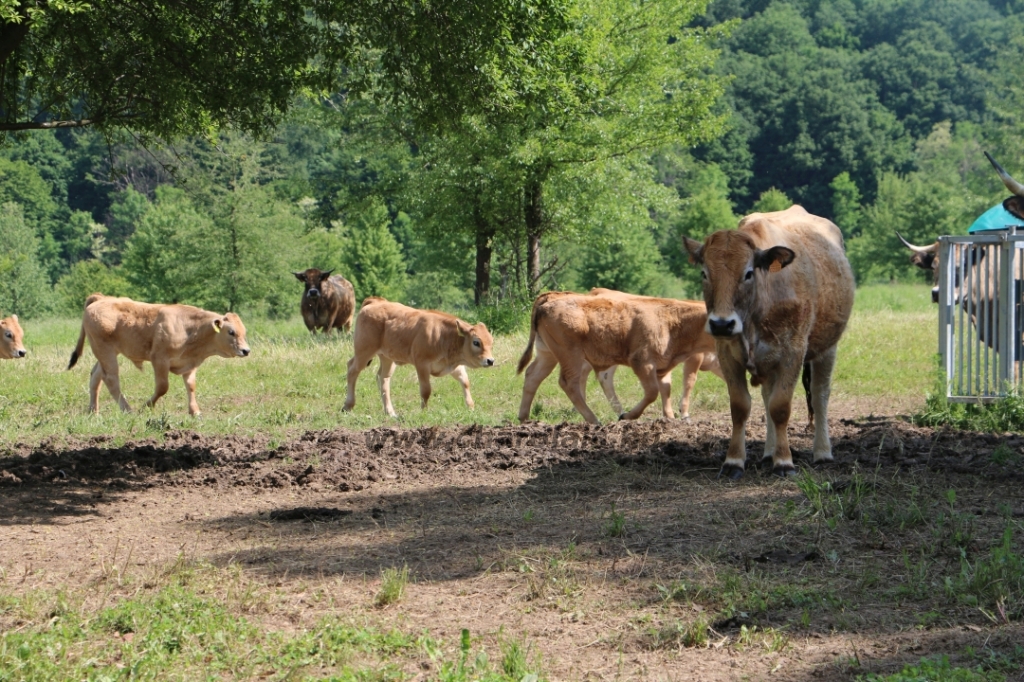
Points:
x=301 y=276
x=695 y=249
x=217 y=324
x=774 y=259
x=463 y=328
x=14 y=317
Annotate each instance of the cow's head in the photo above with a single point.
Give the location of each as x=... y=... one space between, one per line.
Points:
x=1015 y=204
x=313 y=279
x=230 y=336
x=477 y=344
x=926 y=258
x=731 y=265
x=11 y=346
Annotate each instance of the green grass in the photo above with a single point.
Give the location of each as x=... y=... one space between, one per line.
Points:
x=937 y=670
x=293 y=382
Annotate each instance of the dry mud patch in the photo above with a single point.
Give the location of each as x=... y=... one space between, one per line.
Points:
x=600 y=546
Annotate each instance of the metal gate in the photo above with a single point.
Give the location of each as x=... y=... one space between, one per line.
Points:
x=980 y=283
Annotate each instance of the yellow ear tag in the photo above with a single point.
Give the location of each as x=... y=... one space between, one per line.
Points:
x=216 y=329
x=775 y=266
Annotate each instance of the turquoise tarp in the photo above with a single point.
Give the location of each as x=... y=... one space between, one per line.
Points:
x=996 y=218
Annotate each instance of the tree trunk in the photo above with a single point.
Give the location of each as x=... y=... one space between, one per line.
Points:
x=484 y=237
x=534 y=216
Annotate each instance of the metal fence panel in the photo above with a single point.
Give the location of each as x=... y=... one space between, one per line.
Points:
x=981 y=278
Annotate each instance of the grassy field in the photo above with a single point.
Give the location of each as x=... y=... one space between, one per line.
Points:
x=293 y=382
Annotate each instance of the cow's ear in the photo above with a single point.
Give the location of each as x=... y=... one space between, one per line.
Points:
x=463 y=328
x=325 y=275
x=695 y=249
x=774 y=259
x=925 y=261
x=217 y=324
x=14 y=317
x=301 y=276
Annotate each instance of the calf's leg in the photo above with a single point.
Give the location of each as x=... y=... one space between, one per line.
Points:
x=607 y=381
x=690 y=369
x=779 y=407
x=648 y=377
x=384 y=373
x=160 y=373
x=569 y=380
x=190 y=389
x=537 y=372
x=739 y=408
x=462 y=376
x=109 y=371
x=356 y=365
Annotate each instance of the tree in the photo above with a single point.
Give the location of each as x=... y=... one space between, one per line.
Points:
x=26 y=290
x=84 y=278
x=373 y=257
x=170 y=69
x=846 y=209
x=771 y=199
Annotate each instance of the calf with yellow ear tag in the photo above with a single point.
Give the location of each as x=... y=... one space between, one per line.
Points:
x=11 y=335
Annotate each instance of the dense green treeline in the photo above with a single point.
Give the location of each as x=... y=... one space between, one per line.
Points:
x=660 y=120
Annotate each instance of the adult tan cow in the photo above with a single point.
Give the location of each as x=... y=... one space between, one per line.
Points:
x=174 y=338
x=779 y=292
x=11 y=339
x=580 y=332
x=327 y=302
x=436 y=343
x=704 y=362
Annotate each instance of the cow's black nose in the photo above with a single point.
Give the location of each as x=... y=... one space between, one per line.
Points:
x=721 y=327
x=489 y=362
x=935 y=295
x=245 y=352
x=312 y=293
x=21 y=353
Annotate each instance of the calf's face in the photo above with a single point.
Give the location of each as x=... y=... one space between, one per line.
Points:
x=11 y=346
x=313 y=279
x=477 y=344
x=730 y=264
x=230 y=337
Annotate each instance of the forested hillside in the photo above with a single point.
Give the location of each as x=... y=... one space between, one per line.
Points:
x=659 y=122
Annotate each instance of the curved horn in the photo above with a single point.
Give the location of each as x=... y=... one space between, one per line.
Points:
x=919 y=249
x=1010 y=183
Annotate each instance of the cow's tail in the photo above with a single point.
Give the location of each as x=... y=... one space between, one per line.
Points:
x=80 y=346
x=528 y=353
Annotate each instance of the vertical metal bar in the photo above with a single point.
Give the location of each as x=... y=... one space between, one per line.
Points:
x=972 y=316
x=947 y=263
x=960 y=313
x=1005 y=312
x=986 y=291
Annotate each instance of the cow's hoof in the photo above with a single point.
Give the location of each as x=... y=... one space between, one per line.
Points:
x=731 y=471
x=686 y=419
x=784 y=471
x=622 y=416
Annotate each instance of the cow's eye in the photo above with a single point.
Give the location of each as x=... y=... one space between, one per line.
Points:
x=749 y=276
x=476 y=343
x=9 y=335
x=231 y=332
x=704 y=275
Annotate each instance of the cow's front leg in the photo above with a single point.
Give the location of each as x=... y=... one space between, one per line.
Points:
x=665 y=388
x=462 y=376
x=739 y=408
x=649 y=381
x=190 y=389
x=569 y=380
x=779 y=407
x=423 y=374
x=161 y=371
x=537 y=372
x=384 y=373
x=821 y=388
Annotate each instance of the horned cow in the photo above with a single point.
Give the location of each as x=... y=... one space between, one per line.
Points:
x=174 y=338
x=579 y=332
x=436 y=343
x=779 y=291
x=11 y=339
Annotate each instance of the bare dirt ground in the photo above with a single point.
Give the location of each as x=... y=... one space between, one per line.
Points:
x=598 y=545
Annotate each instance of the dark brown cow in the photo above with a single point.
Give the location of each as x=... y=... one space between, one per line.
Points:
x=11 y=336
x=779 y=291
x=327 y=302
x=176 y=339
x=435 y=343
x=581 y=332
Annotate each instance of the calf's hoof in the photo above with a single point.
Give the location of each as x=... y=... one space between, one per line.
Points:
x=784 y=471
x=622 y=416
x=731 y=471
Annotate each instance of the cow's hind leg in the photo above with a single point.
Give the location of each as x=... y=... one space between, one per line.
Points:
x=462 y=376
x=384 y=373
x=109 y=372
x=821 y=388
x=690 y=369
x=537 y=372
x=95 y=382
x=161 y=371
x=607 y=381
x=355 y=367
x=569 y=380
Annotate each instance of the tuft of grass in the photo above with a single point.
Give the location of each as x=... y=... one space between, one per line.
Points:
x=695 y=634
x=995 y=583
x=615 y=527
x=1005 y=414
x=392 y=586
x=937 y=670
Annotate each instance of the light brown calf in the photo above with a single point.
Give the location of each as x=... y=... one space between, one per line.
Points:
x=436 y=343
x=704 y=362
x=11 y=345
x=580 y=332
x=174 y=338
x=779 y=292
